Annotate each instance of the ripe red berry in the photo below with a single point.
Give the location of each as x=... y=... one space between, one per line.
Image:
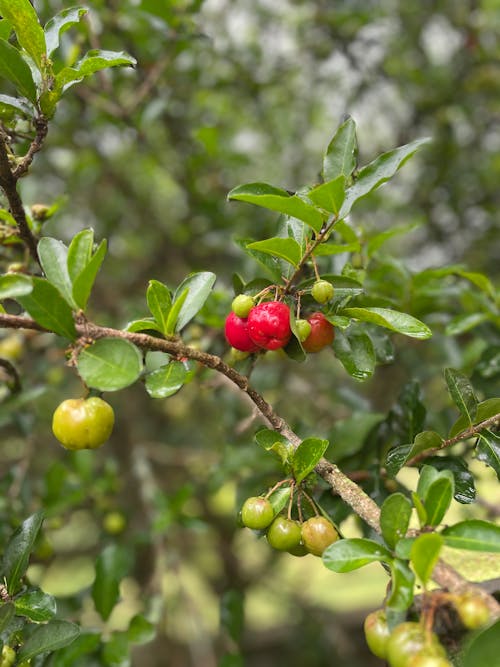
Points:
x=269 y=325
x=322 y=333
x=237 y=334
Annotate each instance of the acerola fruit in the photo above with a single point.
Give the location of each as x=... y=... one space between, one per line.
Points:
x=322 y=291
x=377 y=633
x=236 y=331
x=303 y=329
x=406 y=640
x=114 y=523
x=317 y=534
x=257 y=513
x=283 y=534
x=472 y=610
x=269 y=325
x=426 y=659
x=242 y=305
x=80 y=423
x=8 y=657
x=322 y=333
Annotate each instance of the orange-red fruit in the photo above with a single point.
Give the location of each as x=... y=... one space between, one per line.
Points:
x=269 y=325
x=322 y=333
x=317 y=534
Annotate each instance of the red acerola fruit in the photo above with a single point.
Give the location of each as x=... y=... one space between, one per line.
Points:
x=322 y=333
x=269 y=325
x=236 y=331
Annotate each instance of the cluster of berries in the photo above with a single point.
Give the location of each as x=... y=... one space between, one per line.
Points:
x=266 y=326
x=284 y=534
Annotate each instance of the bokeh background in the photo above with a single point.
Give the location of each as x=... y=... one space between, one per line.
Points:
x=226 y=92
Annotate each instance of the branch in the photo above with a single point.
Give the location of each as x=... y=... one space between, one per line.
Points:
x=41 y=126
x=349 y=491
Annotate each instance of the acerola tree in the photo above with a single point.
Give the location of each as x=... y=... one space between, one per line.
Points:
x=315 y=289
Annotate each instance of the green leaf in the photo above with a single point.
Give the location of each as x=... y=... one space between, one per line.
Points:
x=59 y=23
x=275 y=199
x=15 y=69
x=424 y=555
x=486 y=409
x=7 y=611
x=287 y=249
x=17 y=552
x=355 y=352
x=402 y=584
x=353 y=553
x=403 y=547
x=110 y=364
x=280 y=498
x=198 y=286
x=47 y=638
x=341 y=154
x=173 y=315
x=488 y=450
x=421 y=511
x=390 y=319
x=140 y=630
x=46 y=305
x=79 y=252
x=83 y=283
x=306 y=456
x=336 y=248
x=146 y=324
x=36 y=605
x=465 y=491
x=9 y=104
x=274 y=442
x=463 y=323
x=54 y=260
x=159 y=301
x=462 y=393
x=111 y=566
x=479 y=280
x=395 y=518
x=379 y=239
x=167 y=380
x=116 y=651
x=483 y=648
x=13 y=285
x=330 y=195
x=438 y=498
x=232 y=613
x=474 y=535
x=85 y=643
x=269 y=263
x=92 y=62
x=396 y=458
x=428 y=475
x=28 y=30
x=379 y=171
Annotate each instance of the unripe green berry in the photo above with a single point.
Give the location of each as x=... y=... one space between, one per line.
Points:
x=322 y=291
x=377 y=633
x=242 y=305
x=472 y=610
x=257 y=513
x=303 y=329
x=8 y=656
x=283 y=534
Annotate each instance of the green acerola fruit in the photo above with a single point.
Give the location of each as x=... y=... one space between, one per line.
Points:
x=80 y=423
x=257 y=513
x=283 y=534
x=322 y=291
x=377 y=633
x=408 y=639
x=242 y=305
x=303 y=328
x=426 y=659
x=8 y=657
x=473 y=612
x=317 y=534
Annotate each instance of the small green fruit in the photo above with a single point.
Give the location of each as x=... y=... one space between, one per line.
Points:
x=406 y=640
x=257 y=513
x=322 y=291
x=242 y=305
x=426 y=659
x=8 y=656
x=80 y=423
x=377 y=633
x=303 y=329
x=472 y=610
x=283 y=534
x=317 y=534
x=114 y=523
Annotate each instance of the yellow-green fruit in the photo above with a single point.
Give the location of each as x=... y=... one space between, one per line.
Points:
x=322 y=291
x=303 y=328
x=80 y=423
x=11 y=347
x=283 y=534
x=377 y=633
x=8 y=656
x=472 y=610
x=317 y=534
x=114 y=523
x=409 y=638
x=242 y=305
x=428 y=659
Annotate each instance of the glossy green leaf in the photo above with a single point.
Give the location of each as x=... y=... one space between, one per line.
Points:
x=463 y=323
x=280 y=498
x=86 y=643
x=488 y=450
x=92 y=62
x=269 y=263
x=421 y=511
x=377 y=241
x=29 y=33
x=294 y=229
x=353 y=553
x=465 y=491
x=15 y=69
x=59 y=23
x=83 y=283
x=167 y=380
x=474 y=535
x=274 y=442
x=35 y=605
x=111 y=566
x=287 y=249
x=53 y=256
x=80 y=252
x=480 y=280
x=402 y=586
x=336 y=248
x=330 y=195
x=462 y=393
x=17 y=552
x=403 y=547
x=8 y=104
x=486 y=409
x=306 y=456
x=355 y=352
x=341 y=154
x=427 y=476
x=7 y=611
x=159 y=301
x=396 y=458
x=395 y=518
x=145 y=324
x=391 y=319
x=5 y=29
x=140 y=630
x=438 y=498
x=13 y=285
x=275 y=199
x=378 y=172
x=424 y=441
x=46 y=305
x=198 y=286
x=173 y=315
x=110 y=364
x=47 y=638
x=424 y=555
x=483 y=648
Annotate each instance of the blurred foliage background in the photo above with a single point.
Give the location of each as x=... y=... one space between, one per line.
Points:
x=225 y=92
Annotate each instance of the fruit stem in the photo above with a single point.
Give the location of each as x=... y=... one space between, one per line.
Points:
x=311 y=502
x=277 y=486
